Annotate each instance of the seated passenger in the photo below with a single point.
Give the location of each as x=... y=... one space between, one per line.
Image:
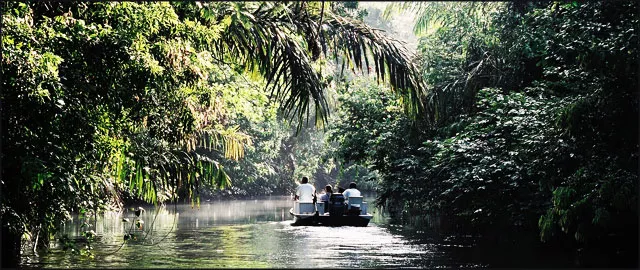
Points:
x=305 y=191
x=327 y=194
x=351 y=191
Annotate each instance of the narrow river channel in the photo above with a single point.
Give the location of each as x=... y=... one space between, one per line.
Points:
x=251 y=234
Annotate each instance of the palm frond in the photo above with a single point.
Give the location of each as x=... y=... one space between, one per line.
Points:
x=260 y=41
x=281 y=42
x=391 y=61
x=446 y=14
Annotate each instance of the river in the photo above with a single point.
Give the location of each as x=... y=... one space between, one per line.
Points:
x=252 y=233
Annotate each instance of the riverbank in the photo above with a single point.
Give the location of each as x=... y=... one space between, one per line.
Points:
x=517 y=247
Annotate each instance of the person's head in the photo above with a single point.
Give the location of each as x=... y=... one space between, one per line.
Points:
x=340 y=189
x=352 y=185
x=327 y=188
x=305 y=180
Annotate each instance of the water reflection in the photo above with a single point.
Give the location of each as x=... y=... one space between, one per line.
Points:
x=246 y=234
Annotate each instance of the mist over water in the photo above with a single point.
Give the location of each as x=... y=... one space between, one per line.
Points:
x=244 y=233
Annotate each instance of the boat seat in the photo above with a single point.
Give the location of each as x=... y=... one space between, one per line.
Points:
x=304 y=207
x=354 y=201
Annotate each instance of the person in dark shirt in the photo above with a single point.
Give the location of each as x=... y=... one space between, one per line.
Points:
x=327 y=194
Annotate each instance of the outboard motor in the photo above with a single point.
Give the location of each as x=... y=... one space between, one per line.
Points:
x=336 y=204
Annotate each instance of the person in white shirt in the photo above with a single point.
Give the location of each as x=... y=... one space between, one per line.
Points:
x=305 y=191
x=351 y=191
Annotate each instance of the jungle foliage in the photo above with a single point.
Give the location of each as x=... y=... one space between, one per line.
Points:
x=511 y=117
x=105 y=103
x=531 y=124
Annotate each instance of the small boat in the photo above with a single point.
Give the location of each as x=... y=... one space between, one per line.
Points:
x=335 y=213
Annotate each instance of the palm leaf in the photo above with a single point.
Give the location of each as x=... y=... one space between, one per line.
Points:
x=265 y=37
x=392 y=60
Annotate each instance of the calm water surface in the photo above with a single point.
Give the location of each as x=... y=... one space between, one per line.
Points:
x=249 y=234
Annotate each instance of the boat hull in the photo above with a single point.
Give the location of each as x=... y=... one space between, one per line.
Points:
x=328 y=220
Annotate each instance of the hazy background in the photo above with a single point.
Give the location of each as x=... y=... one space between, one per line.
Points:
x=400 y=27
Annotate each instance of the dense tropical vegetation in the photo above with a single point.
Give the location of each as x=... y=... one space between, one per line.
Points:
x=531 y=124
x=109 y=102
x=510 y=118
